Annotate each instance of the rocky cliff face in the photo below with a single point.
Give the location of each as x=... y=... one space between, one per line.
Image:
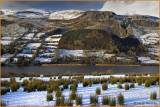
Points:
x=122 y=26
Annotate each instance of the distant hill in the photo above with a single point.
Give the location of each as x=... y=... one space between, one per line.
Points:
x=99 y=39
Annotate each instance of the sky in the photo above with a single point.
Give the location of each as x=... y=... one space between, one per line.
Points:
x=53 y=5
x=119 y=7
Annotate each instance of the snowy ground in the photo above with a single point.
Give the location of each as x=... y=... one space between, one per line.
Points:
x=6 y=56
x=33 y=46
x=6 y=42
x=138 y=96
x=66 y=14
x=151 y=38
x=148 y=60
x=28 y=36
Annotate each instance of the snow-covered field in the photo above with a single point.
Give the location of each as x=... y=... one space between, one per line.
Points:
x=33 y=45
x=151 y=38
x=28 y=36
x=148 y=60
x=6 y=56
x=137 y=96
x=75 y=53
x=6 y=42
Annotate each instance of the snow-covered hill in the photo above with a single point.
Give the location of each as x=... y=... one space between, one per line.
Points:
x=28 y=13
x=65 y=15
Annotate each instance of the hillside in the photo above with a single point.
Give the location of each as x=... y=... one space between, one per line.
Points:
x=99 y=39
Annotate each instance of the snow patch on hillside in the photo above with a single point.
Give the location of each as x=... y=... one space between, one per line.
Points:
x=65 y=15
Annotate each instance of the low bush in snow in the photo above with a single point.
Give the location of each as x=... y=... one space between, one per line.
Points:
x=58 y=93
x=60 y=77
x=65 y=86
x=42 y=87
x=120 y=98
x=50 y=90
x=72 y=96
x=126 y=86
x=105 y=100
x=73 y=88
x=78 y=100
x=14 y=86
x=112 y=102
x=56 y=87
x=60 y=101
x=98 y=91
x=104 y=80
x=5 y=83
x=93 y=99
x=132 y=85
x=30 y=78
x=30 y=87
x=119 y=86
x=5 y=90
x=49 y=97
x=85 y=83
x=153 y=95
x=147 y=83
x=25 y=83
x=113 y=80
x=96 y=81
x=68 y=103
x=104 y=86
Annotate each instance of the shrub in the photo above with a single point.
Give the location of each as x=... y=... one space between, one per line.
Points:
x=72 y=96
x=126 y=86
x=85 y=83
x=56 y=87
x=93 y=99
x=90 y=84
x=60 y=77
x=42 y=87
x=65 y=86
x=98 y=91
x=30 y=87
x=5 y=83
x=112 y=102
x=104 y=86
x=153 y=95
x=12 y=80
x=25 y=83
x=30 y=78
x=105 y=100
x=58 y=94
x=5 y=90
x=120 y=99
x=68 y=103
x=50 y=78
x=50 y=90
x=78 y=100
x=73 y=88
x=113 y=80
x=132 y=85
x=119 y=86
x=49 y=97
x=14 y=86
x=147 y=83
x=60 y=101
